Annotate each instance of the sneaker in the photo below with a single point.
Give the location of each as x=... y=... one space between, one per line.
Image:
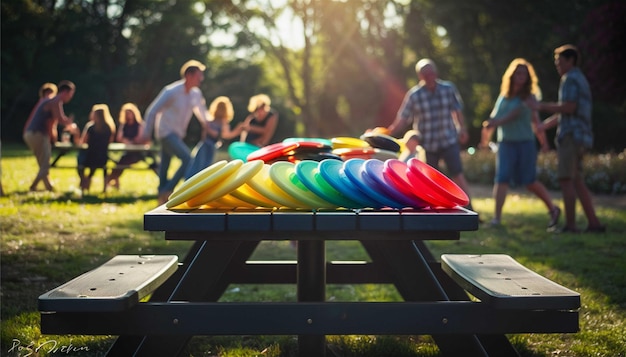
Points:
x=555 y=213
x=494 y=223
x=596 y=229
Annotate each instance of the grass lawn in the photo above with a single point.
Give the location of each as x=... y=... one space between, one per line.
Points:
x=49 y=238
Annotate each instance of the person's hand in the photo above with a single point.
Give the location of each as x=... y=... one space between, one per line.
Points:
x=540 y=126
x=488 y=124
x=463 y=137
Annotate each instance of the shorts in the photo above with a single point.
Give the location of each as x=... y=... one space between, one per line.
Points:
x=451 y=157
x=570 y=156
x=516 y=162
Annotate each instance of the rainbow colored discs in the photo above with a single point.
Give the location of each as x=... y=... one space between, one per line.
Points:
x=353 y=170
x=240 y=150
x=330 y=170
x=228 y=184
x=439 y=183
x=381 y=141
x=263 y=184
x=207 y=181
x=308 y=173
x=283 y=174
x=396 y=172
x=373 y=174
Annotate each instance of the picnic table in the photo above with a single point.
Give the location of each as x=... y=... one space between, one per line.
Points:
x=508 y=298
x=149 y=154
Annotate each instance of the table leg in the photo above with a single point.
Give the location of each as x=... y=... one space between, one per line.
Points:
x=59 y=155
x=192 y=282
x=311 y=287
x=416 y=281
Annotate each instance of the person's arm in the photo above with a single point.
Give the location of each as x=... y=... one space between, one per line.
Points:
x=497 y=121
x=56 y=109
x=200 y=112
x=119 y=137
x=540 y=134
x=549 y=123
x=84 y=137
x=228 y=133
x=459 y=119
x=557 y=107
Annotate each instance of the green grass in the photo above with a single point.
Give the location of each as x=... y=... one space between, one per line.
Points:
x=49 y=238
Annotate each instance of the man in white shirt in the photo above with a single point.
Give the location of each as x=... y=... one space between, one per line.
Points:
x=169 y=115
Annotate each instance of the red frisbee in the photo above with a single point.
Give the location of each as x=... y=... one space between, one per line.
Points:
x=396 y=172
x=272 y=151
x=440 y=183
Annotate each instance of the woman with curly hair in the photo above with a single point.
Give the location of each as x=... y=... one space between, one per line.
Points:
x=516 y=160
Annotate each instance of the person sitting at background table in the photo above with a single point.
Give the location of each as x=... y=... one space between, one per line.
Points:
x=260 y=125
x=129 y=132
x=37 y=134
x=517 y=154
x=219 y=116
x=97 y=134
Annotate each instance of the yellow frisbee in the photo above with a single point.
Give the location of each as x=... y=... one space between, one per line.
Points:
x=201 y=175
x=228 y=184
x=283 y=174
x=206 y=183
x=263 y=184
x=348 y=142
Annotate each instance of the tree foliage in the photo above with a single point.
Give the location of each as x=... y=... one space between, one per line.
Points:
x=350 y=72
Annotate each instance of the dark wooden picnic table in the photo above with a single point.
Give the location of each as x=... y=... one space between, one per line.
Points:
x=116 y=150
x=435 y=303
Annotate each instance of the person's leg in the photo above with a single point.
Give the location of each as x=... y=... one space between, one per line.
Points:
x=452 y=158
x=432 y=158
x=202 y=156
x=172 y=145
x=39 y=144
x=528 y=176
x=505 y=161
x=586 y=201
x=567 y=157
x=499 y=195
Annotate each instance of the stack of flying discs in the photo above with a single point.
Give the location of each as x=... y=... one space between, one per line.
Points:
x=356 y=183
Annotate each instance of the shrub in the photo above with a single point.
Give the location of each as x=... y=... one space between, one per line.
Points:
x=604 y=173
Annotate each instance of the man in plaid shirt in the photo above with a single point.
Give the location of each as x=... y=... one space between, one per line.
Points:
x=574 y=136
x=434 y=107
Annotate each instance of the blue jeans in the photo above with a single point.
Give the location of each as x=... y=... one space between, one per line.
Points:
x=172 y=145
x=203 y=155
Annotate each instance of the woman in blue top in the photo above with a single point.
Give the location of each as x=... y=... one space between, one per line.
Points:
x=517 y=153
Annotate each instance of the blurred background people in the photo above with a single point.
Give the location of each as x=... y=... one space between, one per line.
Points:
x=37 y=133
x=260 y=125
x=129 y=131
x=220 y=114
x=98 y=133
x=169 y=116
x=516 y=159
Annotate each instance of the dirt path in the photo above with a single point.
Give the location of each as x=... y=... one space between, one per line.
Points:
x=616 y=201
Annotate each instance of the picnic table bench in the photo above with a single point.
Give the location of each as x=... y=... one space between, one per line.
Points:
x=509 y=298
